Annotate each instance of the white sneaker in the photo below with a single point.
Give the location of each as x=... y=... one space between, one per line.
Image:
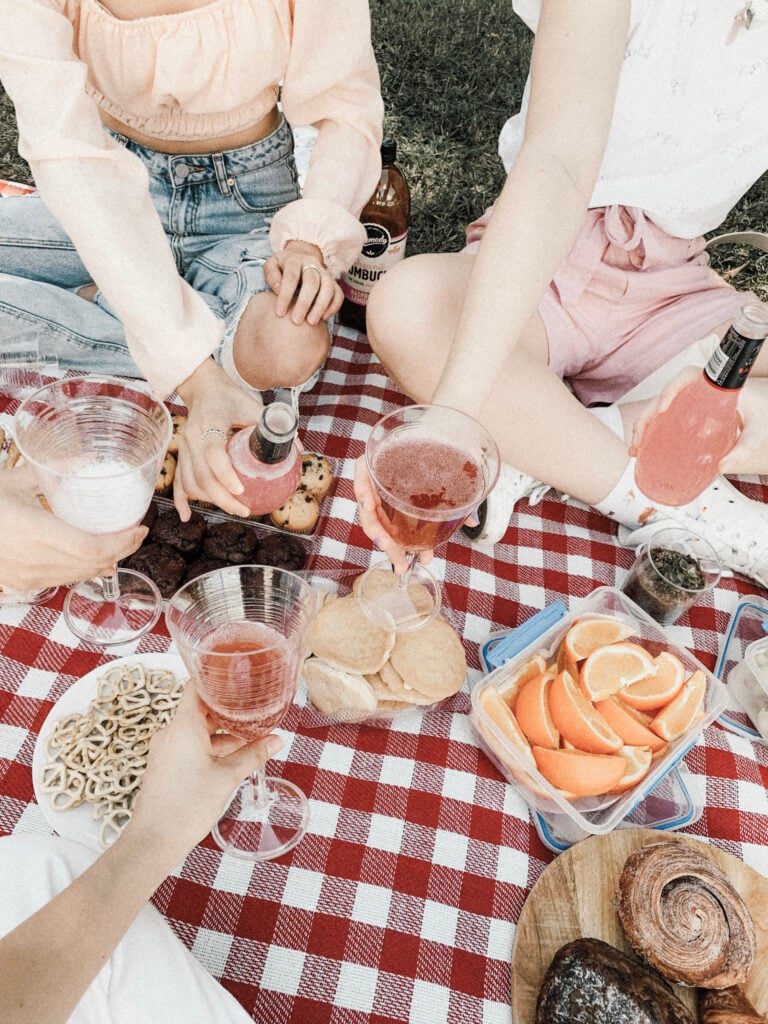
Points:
x=495 y=512
x=735 y=526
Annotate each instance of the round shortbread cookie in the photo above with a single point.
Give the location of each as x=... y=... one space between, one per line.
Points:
x=398 y=688
x=431 y=660
x=332 y=690
x=344 y=636
x=381 y=582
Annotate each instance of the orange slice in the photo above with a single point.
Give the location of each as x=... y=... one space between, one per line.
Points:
x=511 y=685
x=497 y=710
x=586 y=635
x=610 y=668
x=658 y=689
x=628 y=723
x=680 y=714
x=577 y=720
x=579 y=773
x=533 y=714
x=638 y=761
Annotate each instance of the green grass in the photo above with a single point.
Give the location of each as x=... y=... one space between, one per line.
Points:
x=452 y=72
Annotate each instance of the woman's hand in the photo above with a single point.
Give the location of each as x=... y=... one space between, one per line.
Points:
x=662 y=401
x=300 y=268
x=750 y=453
x=204 y=471
x=40 y=550
x=191 y=774
x=369 y=505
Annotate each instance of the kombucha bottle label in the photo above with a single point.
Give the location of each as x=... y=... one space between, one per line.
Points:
x=380 y=252
x=730 y=363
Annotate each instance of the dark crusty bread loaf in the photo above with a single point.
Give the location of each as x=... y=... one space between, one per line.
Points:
x=590 y=982
x=727 y=1006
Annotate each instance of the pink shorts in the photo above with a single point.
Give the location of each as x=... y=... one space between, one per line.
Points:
x=628 y=297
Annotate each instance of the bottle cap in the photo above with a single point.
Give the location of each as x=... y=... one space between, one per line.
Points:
x=388 y=151
x=273 y=435
x=752 y=320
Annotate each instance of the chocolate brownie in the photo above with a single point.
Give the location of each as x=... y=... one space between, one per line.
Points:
x=232 y=542
x=282 y=552
x=203 y=565
x=169 y=529
x=162 y=563
x=150 y=516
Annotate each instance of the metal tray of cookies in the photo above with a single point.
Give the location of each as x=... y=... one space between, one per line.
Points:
x=383 y=694
x=174 y=552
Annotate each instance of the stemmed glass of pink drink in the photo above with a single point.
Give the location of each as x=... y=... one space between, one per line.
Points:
x=96 y=445
x=431 y=466
x=240 y=632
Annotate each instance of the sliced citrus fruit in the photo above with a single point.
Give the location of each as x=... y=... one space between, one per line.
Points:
x=638 y=761
x=510 y=685
x=628 y=723
x=658 y=689
x=586 y=635
x=494 y=706
x=533 y=714
x=577 y=720
x=579 y=773
x=681 y=712
x=610 y=668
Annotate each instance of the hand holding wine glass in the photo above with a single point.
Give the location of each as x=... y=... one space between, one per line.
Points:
x=95 y=445
x=427 y=468
x=240 y=632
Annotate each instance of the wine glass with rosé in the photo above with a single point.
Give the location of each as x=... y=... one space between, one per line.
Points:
x=241 y=632
x=96 y=445
x=431 y=466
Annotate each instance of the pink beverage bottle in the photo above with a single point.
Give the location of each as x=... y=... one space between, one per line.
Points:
x=267 y=460
x=682 y=446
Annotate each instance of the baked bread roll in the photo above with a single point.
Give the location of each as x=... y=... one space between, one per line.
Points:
x=727 y=1006
x=680 y=912
x=590 y=982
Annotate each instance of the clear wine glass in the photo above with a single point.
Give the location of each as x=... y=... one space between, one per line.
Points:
x=96 y=445
x=430 y=467
x=241 y=632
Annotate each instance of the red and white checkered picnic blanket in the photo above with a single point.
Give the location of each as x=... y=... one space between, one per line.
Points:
x=401 y=901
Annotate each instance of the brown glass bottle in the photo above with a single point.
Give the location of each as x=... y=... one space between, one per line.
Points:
x=385 y=218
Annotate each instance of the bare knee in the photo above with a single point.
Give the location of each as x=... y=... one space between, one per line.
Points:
x=271 y=351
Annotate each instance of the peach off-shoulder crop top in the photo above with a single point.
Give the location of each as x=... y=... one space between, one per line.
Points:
x=200 y=74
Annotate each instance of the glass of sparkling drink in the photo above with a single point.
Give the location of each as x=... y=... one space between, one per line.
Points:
x=96 y=445
x=240 y=632
x=431 y=466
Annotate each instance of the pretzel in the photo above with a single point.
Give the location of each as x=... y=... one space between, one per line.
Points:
x=100 y=757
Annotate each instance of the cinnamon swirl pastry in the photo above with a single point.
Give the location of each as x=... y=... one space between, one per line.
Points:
x=680 y=913
x=727 y=1006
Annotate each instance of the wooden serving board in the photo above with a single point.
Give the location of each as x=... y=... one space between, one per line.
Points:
x=574 y=898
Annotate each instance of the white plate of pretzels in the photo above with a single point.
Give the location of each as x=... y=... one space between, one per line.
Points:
x=92 y=749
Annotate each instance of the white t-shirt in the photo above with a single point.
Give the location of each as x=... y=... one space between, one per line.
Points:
x=689 y=134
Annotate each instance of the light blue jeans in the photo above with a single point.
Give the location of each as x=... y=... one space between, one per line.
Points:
x=216 y=210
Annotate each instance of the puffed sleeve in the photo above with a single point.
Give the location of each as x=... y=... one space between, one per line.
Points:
x=332 y=82
x=98 y=192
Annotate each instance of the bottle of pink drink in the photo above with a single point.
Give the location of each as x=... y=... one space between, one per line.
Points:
x=682 y=446
x=266 y=459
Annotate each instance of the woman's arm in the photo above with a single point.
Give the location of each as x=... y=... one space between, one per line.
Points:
x=332 y=82
x=99 y=193
x=575 y=68
x=48 y=961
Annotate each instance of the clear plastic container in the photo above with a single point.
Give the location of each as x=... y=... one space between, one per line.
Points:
x=569 y=820
x=339 y=582
x=745 y=637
